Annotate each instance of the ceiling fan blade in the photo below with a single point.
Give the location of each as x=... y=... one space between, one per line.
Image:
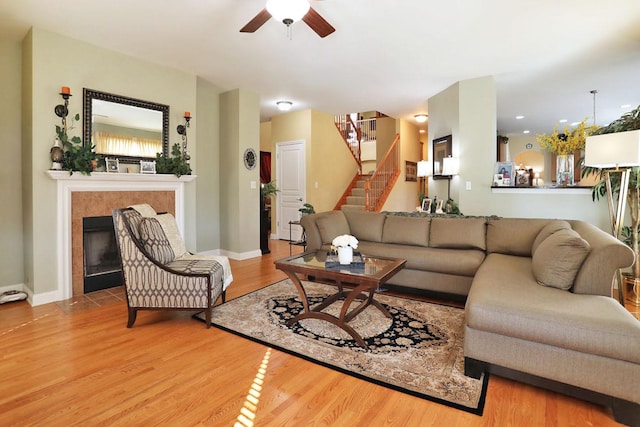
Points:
x=317 y=23
x=256 y=22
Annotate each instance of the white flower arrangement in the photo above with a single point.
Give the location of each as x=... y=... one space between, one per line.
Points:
x=344 y=241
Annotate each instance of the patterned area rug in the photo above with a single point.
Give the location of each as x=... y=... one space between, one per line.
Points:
x=419 y=351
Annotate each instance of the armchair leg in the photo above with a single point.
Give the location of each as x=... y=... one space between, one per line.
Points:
x=207 y=315
x=132 y=317
x=224 y=296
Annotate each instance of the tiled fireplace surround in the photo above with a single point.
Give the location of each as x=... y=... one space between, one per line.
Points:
x=82 y=196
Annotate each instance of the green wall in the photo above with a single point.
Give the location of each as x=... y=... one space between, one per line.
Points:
x=11 y=247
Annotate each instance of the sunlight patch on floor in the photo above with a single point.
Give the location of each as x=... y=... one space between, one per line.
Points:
x=248 y=411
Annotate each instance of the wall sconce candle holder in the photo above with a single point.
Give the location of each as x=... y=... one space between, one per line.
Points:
x=182 y=131
x=62 y=110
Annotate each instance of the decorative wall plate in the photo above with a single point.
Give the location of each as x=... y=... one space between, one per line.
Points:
x=250 y=158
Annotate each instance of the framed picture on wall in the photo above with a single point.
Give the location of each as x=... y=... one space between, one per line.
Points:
x=411 y=171
x=441 y=148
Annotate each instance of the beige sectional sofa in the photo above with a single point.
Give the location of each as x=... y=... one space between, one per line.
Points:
x=538 y=294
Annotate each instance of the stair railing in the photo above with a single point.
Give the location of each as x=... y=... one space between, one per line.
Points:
x=378 y=187
x=352 y=136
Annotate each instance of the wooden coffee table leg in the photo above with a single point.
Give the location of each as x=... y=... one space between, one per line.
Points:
x=300 y=288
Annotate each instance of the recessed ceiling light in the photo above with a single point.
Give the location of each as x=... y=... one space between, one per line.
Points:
x=284 y=105
x=526 y=131
x=625 y=106
x=563 y=120
x=421 y=118
x=519 y=117
x=575 y=123
x=422 y=131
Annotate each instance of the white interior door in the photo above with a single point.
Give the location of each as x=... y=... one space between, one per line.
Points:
x=290 y=176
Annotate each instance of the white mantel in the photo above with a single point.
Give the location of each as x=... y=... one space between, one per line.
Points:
x=97 y=182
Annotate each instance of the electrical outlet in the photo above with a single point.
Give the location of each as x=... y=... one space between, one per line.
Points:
x=468 y=185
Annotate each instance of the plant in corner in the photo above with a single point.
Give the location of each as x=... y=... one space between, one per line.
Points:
x=630 y=234
x=175 y=164
x=78 y=157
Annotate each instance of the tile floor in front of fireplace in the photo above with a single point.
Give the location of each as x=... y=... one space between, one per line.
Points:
x=92 y=300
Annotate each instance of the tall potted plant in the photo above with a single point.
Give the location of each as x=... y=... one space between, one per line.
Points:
x=630 y=233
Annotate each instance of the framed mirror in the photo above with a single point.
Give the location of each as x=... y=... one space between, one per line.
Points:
x=126 y=128
x=441 y=149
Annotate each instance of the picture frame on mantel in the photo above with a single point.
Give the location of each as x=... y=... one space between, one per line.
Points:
x=441 y=148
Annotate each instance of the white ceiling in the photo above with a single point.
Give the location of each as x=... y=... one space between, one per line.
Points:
x=390 y=56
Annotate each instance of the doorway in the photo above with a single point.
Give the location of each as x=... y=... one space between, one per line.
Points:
x=291 y=180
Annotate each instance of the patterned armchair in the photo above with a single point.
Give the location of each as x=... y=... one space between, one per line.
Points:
x=154 y=279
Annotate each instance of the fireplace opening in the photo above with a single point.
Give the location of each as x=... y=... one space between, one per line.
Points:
x=102 y=268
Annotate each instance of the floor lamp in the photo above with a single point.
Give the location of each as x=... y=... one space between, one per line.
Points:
x=616 y=152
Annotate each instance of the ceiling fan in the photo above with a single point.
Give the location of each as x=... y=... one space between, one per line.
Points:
x=290 y=11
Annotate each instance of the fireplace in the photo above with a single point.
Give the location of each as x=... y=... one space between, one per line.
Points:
x=80 y=196
x=101 y=263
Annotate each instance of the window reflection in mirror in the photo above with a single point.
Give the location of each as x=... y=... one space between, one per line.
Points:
x=126 y=128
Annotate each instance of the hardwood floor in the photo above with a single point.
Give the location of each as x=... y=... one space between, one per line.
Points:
x=75 y=363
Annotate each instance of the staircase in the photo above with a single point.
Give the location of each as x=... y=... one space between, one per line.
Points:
x=367 y=192
x=356 y=200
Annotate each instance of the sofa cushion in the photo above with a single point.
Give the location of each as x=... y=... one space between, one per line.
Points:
x=404 y=230
x=457 y=262
x=458 y=233
x=558 y=259
x=365 y=225
x=170 y=228
x=548 y=230
x=506 y=300
x=332 y=224
x=155 y=241
x=513 y=236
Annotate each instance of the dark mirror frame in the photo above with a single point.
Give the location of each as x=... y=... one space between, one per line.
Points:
x=89 y=94
x=441 y=148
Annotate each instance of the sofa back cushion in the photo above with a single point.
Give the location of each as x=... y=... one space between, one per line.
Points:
x=404 y=230
x=513 y=236
x=558 y=259
x=458 y=233
x=155 y=241
x=332 y=224
x=548 y=230
x=365 y=225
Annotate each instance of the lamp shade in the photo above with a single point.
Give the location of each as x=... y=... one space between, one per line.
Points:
x=424 y=168
x=292 y=10
x=450 y=166
x=613 y=150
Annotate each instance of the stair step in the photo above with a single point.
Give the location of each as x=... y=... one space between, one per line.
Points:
x=358 y=192
x=355 y=200
x=360 y=183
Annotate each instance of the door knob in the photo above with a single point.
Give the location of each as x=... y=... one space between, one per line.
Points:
x=299 y=199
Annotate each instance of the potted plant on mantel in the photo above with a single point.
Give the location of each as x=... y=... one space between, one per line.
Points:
x=77 y=157
x=175 y=164
x=630 y=234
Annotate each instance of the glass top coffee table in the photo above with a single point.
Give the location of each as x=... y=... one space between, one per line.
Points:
x=366 y=276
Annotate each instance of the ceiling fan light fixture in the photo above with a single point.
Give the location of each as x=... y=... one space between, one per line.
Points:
x=288 y=11
x=284 y=105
